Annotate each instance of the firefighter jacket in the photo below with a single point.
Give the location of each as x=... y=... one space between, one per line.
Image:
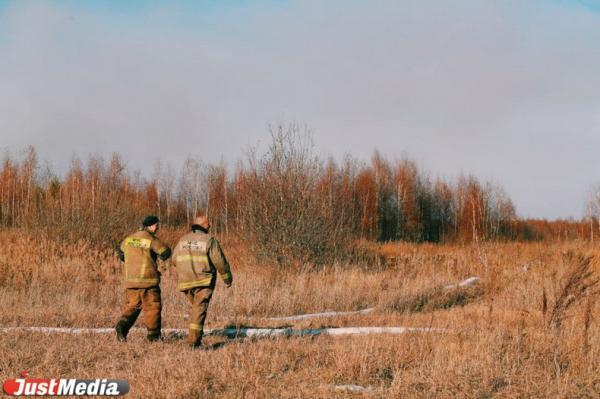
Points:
x=140 y=251
x=198 y=256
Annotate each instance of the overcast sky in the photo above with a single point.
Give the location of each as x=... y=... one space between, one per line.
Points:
x=506 y=90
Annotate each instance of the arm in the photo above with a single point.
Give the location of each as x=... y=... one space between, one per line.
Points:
x=217 y=257
x=162 y=250
x=121 y=253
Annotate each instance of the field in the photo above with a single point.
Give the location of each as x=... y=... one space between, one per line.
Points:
x=509 y=336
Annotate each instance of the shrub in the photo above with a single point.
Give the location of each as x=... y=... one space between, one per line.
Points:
x=284 y=214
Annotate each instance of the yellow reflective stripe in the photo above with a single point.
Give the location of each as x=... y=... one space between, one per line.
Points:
x=193 y=258
x=138 y=242
x=196 y=283
x=194 y=326
x=226 y=276
x=143 y=280
x=143 y=269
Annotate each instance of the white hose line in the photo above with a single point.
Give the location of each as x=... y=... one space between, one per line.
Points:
x=241 y=332
x=317 y=315
x=465 y=283
x=267 y=332
x=354 y=388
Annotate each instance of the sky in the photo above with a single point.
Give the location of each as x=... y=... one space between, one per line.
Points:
x=508 y=90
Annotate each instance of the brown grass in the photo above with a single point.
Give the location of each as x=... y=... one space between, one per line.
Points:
x=498 y=344
x=579 y=283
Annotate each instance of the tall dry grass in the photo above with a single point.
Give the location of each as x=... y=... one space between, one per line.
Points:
x=498 y=341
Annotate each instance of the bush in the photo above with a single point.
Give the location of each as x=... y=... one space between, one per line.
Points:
x=284 y=214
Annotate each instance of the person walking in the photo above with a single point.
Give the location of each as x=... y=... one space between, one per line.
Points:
x=198 y=258
x=140 y=252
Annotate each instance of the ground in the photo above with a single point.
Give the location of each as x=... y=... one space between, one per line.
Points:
x=498 y=339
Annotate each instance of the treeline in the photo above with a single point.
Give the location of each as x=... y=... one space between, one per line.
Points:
x=287 y=198
x=555 y=230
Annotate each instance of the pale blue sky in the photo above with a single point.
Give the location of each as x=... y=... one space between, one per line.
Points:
x=508 y=91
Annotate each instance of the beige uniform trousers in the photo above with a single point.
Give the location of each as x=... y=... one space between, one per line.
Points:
x=146 y=300
x=199 y=298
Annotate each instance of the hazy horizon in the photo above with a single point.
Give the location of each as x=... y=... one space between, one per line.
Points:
x=507 y=92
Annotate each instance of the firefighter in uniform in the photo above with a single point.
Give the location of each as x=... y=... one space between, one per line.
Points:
x=198 y=257
x=140 y=251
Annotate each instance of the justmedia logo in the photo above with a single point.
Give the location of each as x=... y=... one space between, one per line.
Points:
x=64 y=387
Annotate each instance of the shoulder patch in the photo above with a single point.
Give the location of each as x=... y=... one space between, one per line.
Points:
x=138 y=242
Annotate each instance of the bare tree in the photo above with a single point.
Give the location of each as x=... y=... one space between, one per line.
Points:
x=193 y=187
x=593 y=210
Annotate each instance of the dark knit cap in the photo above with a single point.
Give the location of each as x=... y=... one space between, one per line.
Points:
x=149 y=220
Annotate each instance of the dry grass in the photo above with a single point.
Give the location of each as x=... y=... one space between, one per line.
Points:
x=499 y=345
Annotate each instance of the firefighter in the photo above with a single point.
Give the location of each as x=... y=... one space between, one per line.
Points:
x=198 y=257
x=140 y=252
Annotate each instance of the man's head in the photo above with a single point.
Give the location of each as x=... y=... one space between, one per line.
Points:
x=201 y=221
x=150 y=223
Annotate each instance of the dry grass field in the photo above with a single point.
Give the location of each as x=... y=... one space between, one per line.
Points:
x=520 y=333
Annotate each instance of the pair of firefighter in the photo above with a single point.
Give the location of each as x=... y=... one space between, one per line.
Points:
x=197 y=257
